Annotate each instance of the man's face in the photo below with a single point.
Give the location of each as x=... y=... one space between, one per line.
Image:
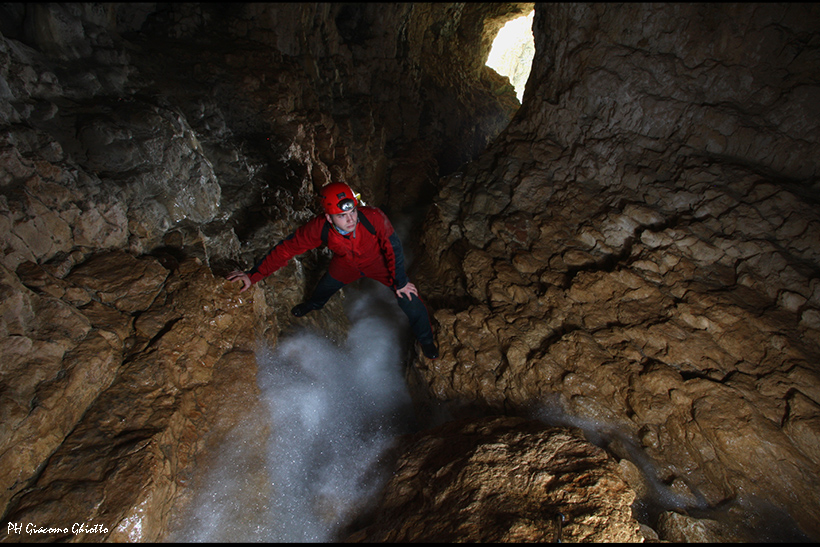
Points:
x=344 y=221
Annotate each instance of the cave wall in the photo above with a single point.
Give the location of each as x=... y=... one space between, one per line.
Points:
x=638 y=250
x=146 y=150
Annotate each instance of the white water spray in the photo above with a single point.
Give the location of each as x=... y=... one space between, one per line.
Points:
x=333 y=414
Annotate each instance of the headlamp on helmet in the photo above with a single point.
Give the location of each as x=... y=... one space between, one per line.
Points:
x=347 y=205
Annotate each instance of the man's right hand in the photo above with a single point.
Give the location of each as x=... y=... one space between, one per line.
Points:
x=240 y=276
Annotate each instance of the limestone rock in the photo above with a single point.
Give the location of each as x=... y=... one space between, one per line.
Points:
x=670 y=305
x=114 y=432
x=503 y=480
x=678 y=528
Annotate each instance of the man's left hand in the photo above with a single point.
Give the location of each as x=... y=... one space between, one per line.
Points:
x=240 y=276
x=408 y=290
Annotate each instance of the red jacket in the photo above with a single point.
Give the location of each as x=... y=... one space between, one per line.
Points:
x=362 y=253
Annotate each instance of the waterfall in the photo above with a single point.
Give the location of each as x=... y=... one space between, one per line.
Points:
x=334 y=411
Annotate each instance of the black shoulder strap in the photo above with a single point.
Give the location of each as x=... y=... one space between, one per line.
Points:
x=325 y=231
x=363 y=219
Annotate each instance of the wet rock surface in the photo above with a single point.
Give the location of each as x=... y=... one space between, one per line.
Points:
x=636 y=254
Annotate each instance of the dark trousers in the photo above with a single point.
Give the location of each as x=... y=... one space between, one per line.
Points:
x=413 y=307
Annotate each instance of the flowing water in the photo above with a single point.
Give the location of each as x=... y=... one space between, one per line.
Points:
x=333 y=412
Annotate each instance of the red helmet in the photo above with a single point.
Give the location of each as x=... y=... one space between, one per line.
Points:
x=337 y=197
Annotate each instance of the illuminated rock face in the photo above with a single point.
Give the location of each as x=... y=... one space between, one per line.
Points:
x=672 y=303
x=503 y=480
x=636 y=252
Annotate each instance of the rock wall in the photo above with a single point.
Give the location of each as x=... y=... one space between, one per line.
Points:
x=503 y=480
x=639 y=248
x=147 y=149
x=113 y=375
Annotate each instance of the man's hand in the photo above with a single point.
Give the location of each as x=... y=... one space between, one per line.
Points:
x=240 y=276
x=407 y=291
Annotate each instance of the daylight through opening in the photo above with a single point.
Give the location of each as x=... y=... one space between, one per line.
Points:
x=512 y=52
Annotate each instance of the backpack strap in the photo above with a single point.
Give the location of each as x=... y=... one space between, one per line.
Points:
x=367 y=224
x=325 y=231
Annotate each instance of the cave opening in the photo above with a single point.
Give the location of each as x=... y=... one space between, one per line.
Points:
x=512 y=52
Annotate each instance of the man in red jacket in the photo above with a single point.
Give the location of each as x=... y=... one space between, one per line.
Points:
x=364 y=244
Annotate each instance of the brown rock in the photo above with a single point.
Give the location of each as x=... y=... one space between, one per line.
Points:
x=503 y=480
